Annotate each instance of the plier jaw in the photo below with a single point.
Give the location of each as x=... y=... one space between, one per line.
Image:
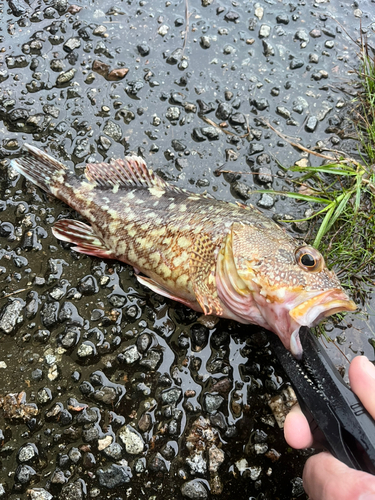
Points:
x=336 y=416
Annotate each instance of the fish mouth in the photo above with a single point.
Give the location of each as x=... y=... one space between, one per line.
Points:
x=312 y=311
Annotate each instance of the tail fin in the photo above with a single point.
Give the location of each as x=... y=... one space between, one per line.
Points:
x=40 y=168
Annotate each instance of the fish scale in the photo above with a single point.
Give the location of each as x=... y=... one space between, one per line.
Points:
x=155 y=236
x=216 y=257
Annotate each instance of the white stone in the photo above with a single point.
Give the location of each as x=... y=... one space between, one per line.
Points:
x=132 y=440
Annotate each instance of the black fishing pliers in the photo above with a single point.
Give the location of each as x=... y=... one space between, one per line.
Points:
x=336 y=416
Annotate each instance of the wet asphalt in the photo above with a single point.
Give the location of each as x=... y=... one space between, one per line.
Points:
x=108 y=390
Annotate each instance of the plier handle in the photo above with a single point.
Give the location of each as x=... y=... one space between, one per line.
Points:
x=334 y=412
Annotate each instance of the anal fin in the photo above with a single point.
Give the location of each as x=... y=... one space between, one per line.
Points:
x=83 y=237
x=202 y=267
x=155 y=287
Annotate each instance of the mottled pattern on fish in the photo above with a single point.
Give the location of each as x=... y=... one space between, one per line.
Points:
x=217 y=257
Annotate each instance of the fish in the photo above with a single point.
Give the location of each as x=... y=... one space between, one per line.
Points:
x=219 y=258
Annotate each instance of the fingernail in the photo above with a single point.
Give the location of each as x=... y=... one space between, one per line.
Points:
x=369 y=367
x=367 y=496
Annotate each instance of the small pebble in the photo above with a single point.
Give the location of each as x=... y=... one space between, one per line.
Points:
x=266 y=201
x=133 y=442
x=194 y=490
x=264 y=31
x=163 y=30
x=311 y=124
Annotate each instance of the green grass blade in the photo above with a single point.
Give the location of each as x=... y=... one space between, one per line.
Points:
x=323 y=227
x=297 y=196
x=340 y=208
x=324 y=169
x=358 y=194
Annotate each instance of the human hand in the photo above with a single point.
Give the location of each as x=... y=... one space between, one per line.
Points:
x=325 y=477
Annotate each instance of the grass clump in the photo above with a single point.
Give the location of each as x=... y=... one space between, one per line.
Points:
x=344 y=224
x=367 y=100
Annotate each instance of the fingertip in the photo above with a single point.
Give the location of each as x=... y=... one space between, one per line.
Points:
x=297 y=430
x=317 y=472
x=361 y=365
x=325 y=478
x=362 y=381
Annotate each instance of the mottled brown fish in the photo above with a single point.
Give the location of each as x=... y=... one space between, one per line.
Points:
x=216 y=257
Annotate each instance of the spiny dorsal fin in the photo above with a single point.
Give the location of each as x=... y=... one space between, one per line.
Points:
x=130 y=172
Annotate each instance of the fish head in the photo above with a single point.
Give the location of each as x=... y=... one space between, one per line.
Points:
x=268 y=278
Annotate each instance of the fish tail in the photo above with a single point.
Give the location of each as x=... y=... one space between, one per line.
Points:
x=41 y=169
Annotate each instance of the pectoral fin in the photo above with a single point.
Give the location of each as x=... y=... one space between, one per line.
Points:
x=155 y=287
x=83 y=237
x=202 y=268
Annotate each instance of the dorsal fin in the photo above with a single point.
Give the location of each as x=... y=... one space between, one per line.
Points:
x=130 y=172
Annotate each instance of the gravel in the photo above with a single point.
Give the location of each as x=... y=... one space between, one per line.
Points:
x=39 y=494
x=114 y=476
x=27 y=453
x=143 y=49
x=71 y=44
x=194 y=490
x=173 y=113
x=311 y=124
x=112 y=130
x=133 y=442
x=174 y=57
x=97 y=370
x=212 y=402
x=65 y=77
x=131 y=354
x=11 y=316
x=171 y=396
x=264 y=31
x=266 y=201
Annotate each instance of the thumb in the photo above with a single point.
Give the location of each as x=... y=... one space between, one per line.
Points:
x=326 y=478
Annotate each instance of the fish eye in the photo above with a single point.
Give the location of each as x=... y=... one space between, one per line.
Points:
x=309 y=259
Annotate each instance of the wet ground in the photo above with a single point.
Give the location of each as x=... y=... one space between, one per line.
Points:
x=117 y=392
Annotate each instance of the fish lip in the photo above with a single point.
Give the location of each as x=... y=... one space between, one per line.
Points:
x=295 y=345
x=313 y=310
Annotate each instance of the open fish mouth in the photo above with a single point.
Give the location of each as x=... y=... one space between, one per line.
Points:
x=312 y=311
